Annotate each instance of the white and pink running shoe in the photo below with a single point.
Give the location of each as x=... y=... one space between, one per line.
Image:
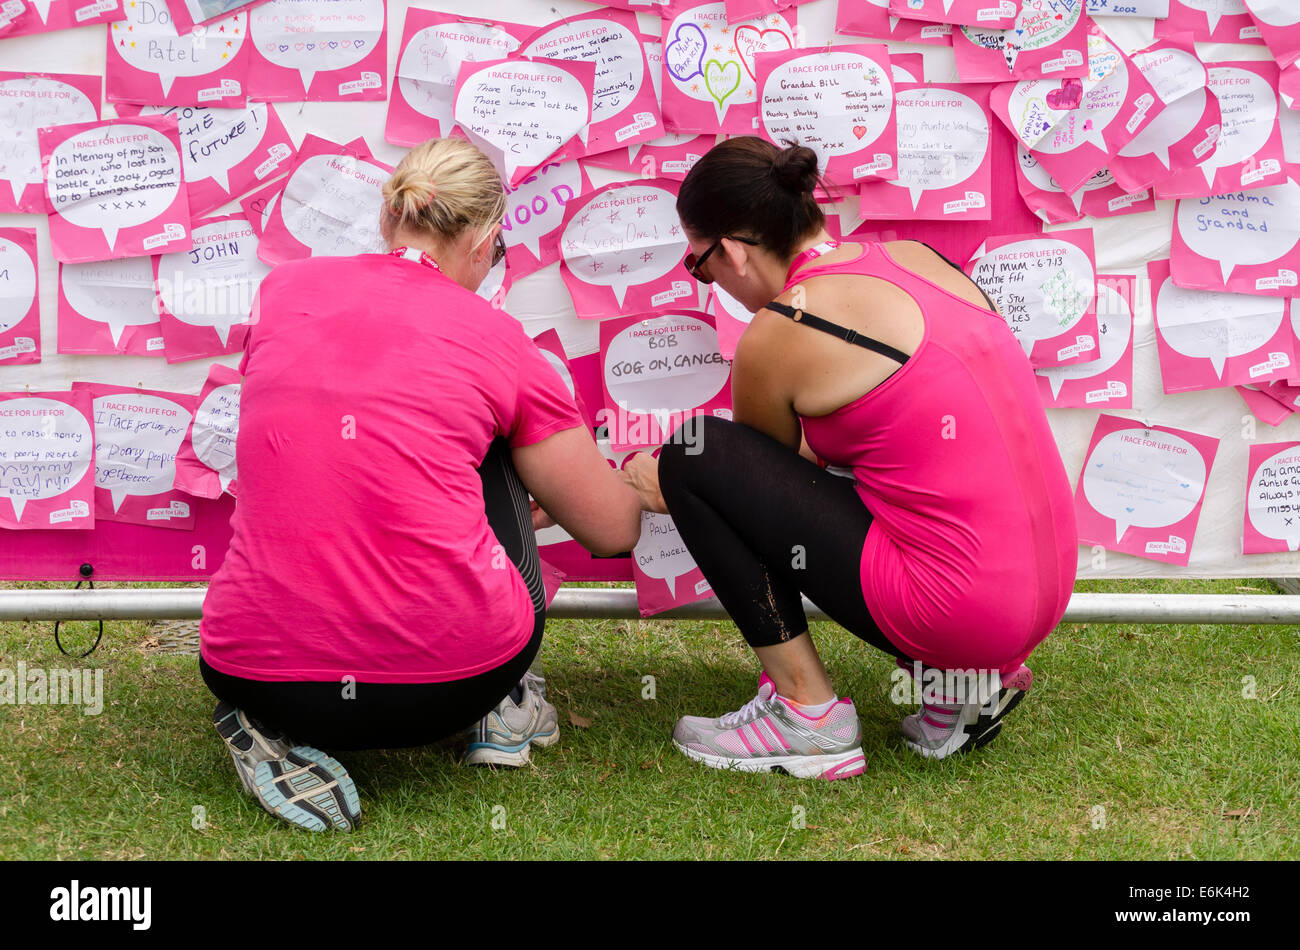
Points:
x=771 y=734
x=941 y=729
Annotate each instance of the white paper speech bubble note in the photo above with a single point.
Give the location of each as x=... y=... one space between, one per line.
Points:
x=848 y=122
x=426 y=73
x=1273 y=499
x=661 y=553
x=1172 y=73
x=1215 y=10
x=526 y=110
x=1043 y=287
x=1147 y=480
x=1039 y=24
x=665 y=365
x=1276 y=13
x=311 y=36
x=138 y=166
x=1249 y=106
x=119 y=293
x=45 y=102
x=617 y=53
x=624 y=237
x=1246 y=227
x=716 y=70
x=536 y=207
x=212 y=285
x=148 y=40
x=943 y=137
x=215 y=140
x=46 y=447
x=1037 y=176
x=1174 y=123
x=17 y=284
x=137 y=436
x=1114 y=328
x=216 y=430
x=324 y=201
x=1208 y=325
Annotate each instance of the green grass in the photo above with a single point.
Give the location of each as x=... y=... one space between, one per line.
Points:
x=1146 y=722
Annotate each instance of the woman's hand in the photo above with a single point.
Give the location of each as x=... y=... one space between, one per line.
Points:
x=540 y=518
x=641 y=472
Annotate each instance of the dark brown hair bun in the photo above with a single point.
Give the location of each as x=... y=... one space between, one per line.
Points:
x=795 y=169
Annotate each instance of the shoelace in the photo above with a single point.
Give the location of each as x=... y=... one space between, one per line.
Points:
x=748 y=711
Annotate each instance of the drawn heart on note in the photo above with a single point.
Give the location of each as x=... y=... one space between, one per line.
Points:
x=859 y=131
x=721 y=80
x=311 y=46
x=1129 y=510
x=1068 y=97
x=750 y=40
x=684 y=57
x=284 y=47
x=333 y=44
x=299 y=46
x=358 y=43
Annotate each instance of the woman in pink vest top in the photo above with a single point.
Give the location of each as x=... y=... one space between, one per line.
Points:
x=889 y=457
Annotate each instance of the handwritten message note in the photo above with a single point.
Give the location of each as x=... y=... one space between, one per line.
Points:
x=1253 y=237
x=20 y=318
x=1107 y=380
x=1142 y=487
x=23 y=17
x=149 y=61
x=622 y=248
x=661 y=562
x=318 y=50
x=535 y=214
x=28 y=103
x=205 y=463
x=524 y=112
x=1046 y=289
x=46 y=450
x=1048 y=40
x=1100 y=196
x=1222 y=21
x=434 y=45
x=109 y=179
x=709 y=65
x=109 y=307
x=1272 y=498
x=991 y=13
x=839 y=103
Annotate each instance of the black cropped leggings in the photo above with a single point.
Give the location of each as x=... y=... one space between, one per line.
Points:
x=764 y=524
x=399 y=715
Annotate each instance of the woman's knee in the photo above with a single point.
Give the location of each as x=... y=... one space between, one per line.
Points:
x=696 y=446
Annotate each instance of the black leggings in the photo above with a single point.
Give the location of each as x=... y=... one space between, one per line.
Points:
x=765 y=524
x=399 y=715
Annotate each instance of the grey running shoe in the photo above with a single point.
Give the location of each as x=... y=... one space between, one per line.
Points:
x=769 y=734
x=296 y=783
x=504 y=735
x=941 y=729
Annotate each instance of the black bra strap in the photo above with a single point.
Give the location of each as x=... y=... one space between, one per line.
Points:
x=850 y=336
x=943 y=257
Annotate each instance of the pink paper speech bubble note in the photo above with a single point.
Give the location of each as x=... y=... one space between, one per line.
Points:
x=206 y=294
x=433 y=47
x=1218 y=21
x=871 y=18
x=1107 y=380
x=226 y=152
x=730 y=317
x=205 y=463
x=187 y=14
x=523 y=113
x=944 y=156
x=656 y=372
x=259 y=206
x=148 y=61
x=666 y=574
x=319 y=51
x=837 y=101
x=47 y=461
x=1099 y=197
x=535 y=215
x=1272 y=517
x=1279 y=27
x=115 y=189
x=109 y=307
x=1142 y=487
x=1245 y=242
x=1045 y=287
x=625 y=106
x=1154 y=9
x=710 y=77
x=621 y=251
x=1264 y=407
x=1074 y=126
x=316 y=214
x=25 y=17
x=31 y=101
x=1208 y=339
x=996 y=14
x=137 y=435
x=20 y=311
x=1048 y=41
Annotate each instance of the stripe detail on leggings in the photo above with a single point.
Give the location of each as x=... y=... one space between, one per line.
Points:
x=531 y=567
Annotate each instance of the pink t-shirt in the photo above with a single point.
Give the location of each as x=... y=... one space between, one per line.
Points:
x=373 y=388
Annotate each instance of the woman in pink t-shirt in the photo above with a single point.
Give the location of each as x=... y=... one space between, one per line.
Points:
x=382 y=586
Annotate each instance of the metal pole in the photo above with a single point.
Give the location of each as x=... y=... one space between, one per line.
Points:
x=620 y=604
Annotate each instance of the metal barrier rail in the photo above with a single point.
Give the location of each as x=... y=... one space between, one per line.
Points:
x=620 y=604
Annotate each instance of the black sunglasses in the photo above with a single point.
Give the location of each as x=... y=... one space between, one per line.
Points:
x=499 y=251
x=693 y=263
